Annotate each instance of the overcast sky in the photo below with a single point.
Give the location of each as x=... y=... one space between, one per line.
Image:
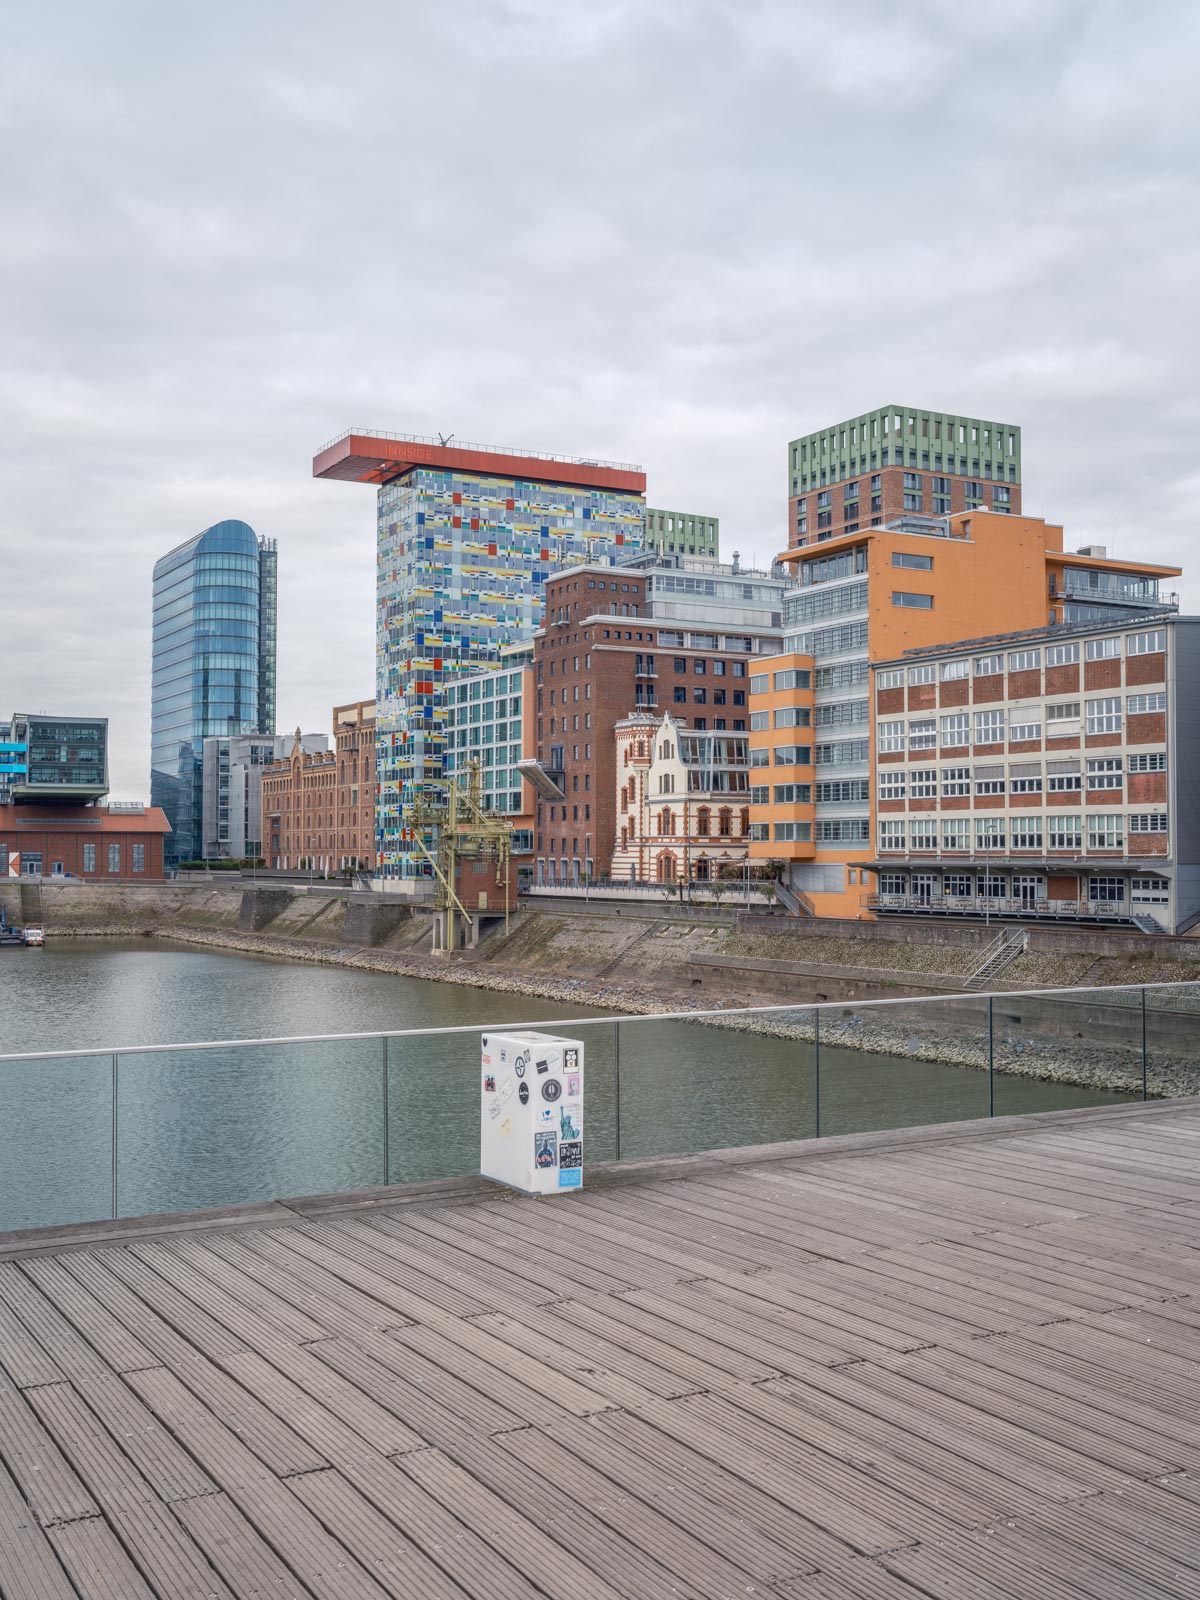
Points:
x=676 y=232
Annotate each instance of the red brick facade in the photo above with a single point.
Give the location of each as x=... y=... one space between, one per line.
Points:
x=89 y=842
x=888 y=502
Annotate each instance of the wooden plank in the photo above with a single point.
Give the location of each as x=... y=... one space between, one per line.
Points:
x=245 y=1561
x=398 y=1563
x=97 y=1563
x=174 y=1328
x=72 y=1354
x=120 y=1349
x=337 y=1307
x=23 y=1361
x=383 y=1431
x=46 y=1478
x=293 y=1324
x=29 y=1567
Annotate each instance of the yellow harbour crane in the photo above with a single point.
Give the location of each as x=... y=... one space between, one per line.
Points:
x=455 y=830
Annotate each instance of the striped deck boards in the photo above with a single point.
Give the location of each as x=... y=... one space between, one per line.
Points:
x=940 y=1366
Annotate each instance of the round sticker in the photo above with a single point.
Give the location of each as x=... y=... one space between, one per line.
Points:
x=523 y=1092
x=551 y=1089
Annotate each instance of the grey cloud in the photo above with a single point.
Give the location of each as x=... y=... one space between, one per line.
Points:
x=672 y=231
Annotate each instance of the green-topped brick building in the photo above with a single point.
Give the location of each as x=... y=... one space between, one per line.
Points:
x=682 y=533
x=899 y=461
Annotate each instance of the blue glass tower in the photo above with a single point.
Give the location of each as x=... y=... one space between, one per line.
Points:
x=214 y=664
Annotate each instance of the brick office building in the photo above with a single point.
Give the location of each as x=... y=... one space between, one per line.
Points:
x=679 y=637
x=1051 y=774
x=319 y=804
x=96 y=843
x=899 y=461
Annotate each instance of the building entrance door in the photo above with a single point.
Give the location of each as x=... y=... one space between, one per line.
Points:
x=1028 y=890
x=923 y=885
x=31 y=863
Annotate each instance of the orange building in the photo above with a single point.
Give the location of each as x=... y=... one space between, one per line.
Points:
x=872 y=595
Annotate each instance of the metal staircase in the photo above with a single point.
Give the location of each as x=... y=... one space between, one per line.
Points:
x=799 y=905
x=1145 y=923
x=997 y=956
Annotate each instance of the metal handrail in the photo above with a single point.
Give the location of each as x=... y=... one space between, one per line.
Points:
x=489 y=449
x=726 y=1013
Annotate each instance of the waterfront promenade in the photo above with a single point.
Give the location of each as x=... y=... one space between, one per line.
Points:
x=939 y=1362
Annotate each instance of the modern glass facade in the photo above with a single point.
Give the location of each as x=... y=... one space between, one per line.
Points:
x=54 y=758
x=214 y=664
x=484 y=720
x=462 y=560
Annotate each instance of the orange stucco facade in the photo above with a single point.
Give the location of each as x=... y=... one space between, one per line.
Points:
x=994 y=573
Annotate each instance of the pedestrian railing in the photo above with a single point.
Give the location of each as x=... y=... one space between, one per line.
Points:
x=118 y=1132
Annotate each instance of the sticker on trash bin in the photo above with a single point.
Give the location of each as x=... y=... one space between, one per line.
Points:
x=545 y=1150
x=571 y=1178
x=569 y=1121
x=551 y=1088
x=506 y=1127
x=506 y=1089
x=493 y=1109
x=573 y=1083
x=570 y=1060
x=523 y=1094
x=489 y=1084
x=570 y=1153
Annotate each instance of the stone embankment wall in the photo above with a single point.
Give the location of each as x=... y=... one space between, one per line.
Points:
x=608 y=958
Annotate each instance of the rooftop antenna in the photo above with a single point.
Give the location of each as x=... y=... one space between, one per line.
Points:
x=444 y=439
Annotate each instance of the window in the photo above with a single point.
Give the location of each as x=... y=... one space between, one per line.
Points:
x=989 y=780
x=923 y=833
x=922 y=674
x=913 y=602
x=760 y=758
x=114 y=858
x=1103 y=649
x=890 y=736
x=792 y=794
x=988 y=666
x=891 y=835
x=892 y=784
x=1105 y=774
x=923 y=783
x=1063 y=782
x=760 y=683
x=1104 y=716
x=844 y=830
x=912 y=480
x=956 y=833
x=955 y=669
x=793 y=832
x=679 y=663
x=700 y=668
x=759 y=720
x=793 y=678
x=956 y=730
x=1106 y=832
x=1024 y=660
x=1061 y=655
x=1147 y=822
x=989 y=727
x=793 y=717
x=893 y=678
x=1150 y=891
x=1026 y=828
x=922 y=733
x=1150 y=763
x=1064 y=833
x=841 y=792
x=989 y=833
x=891 y=883
x=1107 y=889
x=1026 y=785
x=1146 y=644
x=1138 y=704
x=1062 y=720
x=699 y=694
x=901 y=558
x=956 y=886
x=89 y=856
x=1029 y=725
x=139 y=857
x=680 y=694
x=793 y=755
x=955 y=781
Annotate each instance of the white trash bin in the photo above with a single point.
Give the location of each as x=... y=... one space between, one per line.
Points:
x=531 y=1112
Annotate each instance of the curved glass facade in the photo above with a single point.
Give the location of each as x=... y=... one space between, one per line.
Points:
x=214 y=664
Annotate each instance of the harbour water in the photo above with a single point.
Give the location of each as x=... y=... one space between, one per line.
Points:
x=138 y=1131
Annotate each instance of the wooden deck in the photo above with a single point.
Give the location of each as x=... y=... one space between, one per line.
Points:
x=949 y=1363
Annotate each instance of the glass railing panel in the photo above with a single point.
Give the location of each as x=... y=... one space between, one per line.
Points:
x=1059 y=1051
x=713 y=1082
x=198 y=1128
x=434 y=1098
x=1172 y=1040
x=904 y=1065
x=56 y=1117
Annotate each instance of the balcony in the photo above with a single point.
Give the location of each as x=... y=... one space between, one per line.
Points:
x=1096 y=913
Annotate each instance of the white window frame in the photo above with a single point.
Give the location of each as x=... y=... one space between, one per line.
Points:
x=1104 y=715
x=892 y=834
x=889 y=737
x=1062 y=655
x=1146 y=644
x=989 y=722
x=1064 y=831
x=1106 y=649
x=1147 y=822
x=1105 y=830
x=956 y=782
x=1140 y=705
x=956 y=730
x=989 y=666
